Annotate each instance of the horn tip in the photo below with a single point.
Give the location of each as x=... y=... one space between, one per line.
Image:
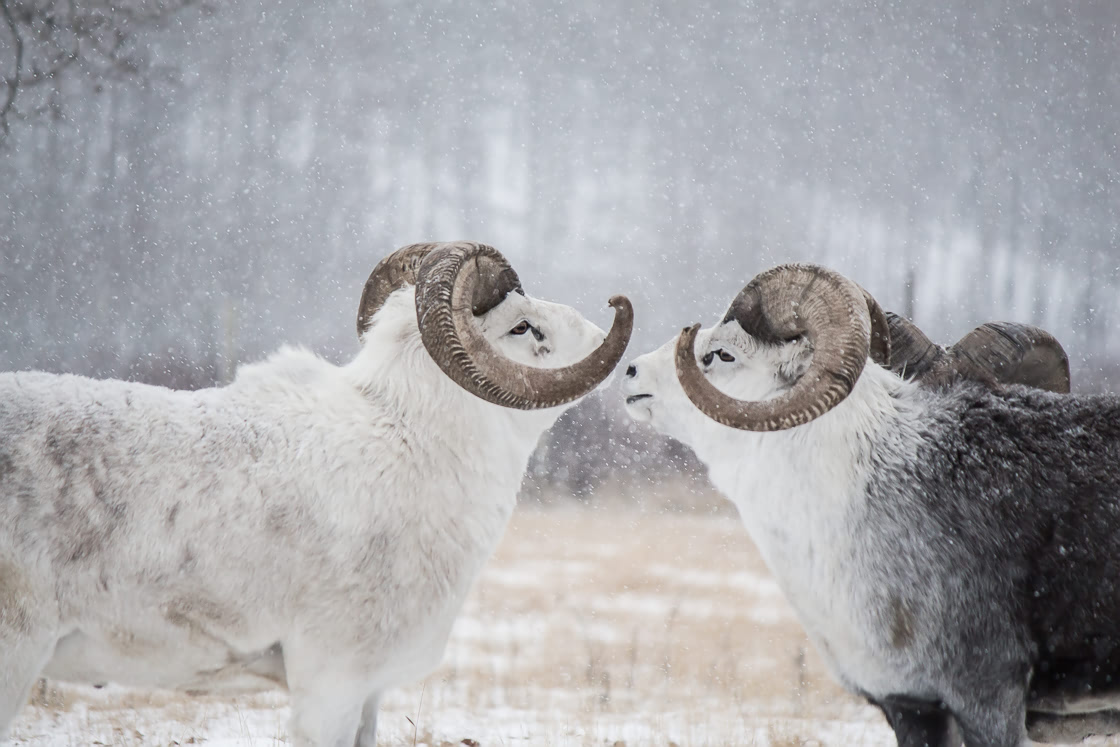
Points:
x=683 y=353
x=688 y=337
x=619 y=301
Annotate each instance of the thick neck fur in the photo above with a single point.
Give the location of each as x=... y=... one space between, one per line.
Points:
x=825 y=460
x=799 y=493
x=454 y=462
x=491 y=438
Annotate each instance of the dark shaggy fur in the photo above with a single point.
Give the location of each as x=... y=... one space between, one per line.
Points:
x=1001 y=557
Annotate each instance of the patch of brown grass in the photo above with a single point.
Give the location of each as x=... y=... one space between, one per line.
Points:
x=621 y=611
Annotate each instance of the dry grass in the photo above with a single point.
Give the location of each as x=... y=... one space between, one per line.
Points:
x=590 y=626
x=637 y=493
x=626 y=605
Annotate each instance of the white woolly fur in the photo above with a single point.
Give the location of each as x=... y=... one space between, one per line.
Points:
x=309 y=525
x=799 y=491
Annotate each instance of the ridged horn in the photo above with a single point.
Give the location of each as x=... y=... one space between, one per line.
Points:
x=457 y=282
x=1013 y=354
x=882 y=350
x=391 y=273
x=781 y=304
x=995 y=353
x=913 y=355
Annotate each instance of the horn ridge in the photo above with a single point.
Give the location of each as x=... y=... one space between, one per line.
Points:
x=451 y=280
x=780 y=304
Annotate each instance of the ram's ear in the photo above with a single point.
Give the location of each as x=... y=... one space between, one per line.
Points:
x=796 y=357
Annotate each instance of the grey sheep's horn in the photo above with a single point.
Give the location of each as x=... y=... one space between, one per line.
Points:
x=882 y=346
x=994 y=353
x=457 y=282
x=913 y=355
x=789 y=301
x=1014 y=354
x=393 y=272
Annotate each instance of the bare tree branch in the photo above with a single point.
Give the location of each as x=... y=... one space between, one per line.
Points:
x=11 y=83
x=94 y=35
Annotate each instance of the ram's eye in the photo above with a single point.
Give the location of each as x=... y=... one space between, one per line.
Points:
x=521 y=328
x=725 y=356
x=707 y=359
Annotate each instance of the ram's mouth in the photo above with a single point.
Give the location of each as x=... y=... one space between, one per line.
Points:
x=637 y=397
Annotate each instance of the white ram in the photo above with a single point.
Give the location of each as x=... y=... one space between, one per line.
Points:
x=308 y=526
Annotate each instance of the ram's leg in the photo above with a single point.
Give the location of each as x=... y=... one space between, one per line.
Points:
x=326 y=710
x=23 y=654
x=367 y=730
x=326 y=693
x=993 y=719
x=28 y=634
x=918 y=723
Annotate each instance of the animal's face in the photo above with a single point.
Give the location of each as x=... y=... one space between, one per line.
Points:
x=539 y=333
x=486 y=335
x=522 y=329
x=733 y=361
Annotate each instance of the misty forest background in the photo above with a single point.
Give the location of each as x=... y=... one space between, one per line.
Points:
x=187 y=185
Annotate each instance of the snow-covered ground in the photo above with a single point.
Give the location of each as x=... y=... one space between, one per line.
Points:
x=589 y=627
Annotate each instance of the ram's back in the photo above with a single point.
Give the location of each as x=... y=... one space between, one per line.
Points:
x=1072 y=590
x=74 y=455
x=173 y=537
x=100 y=475
x=1015 y=493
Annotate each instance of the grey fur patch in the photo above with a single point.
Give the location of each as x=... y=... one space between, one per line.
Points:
x=15 y=595
x=197 y=613
x=59 y=446
x=996 y=525
x=84 y=546
x=276 y=520
x=80 y=528
x=116 y=509
x=291 y=521
x=87 y=512
x=173 y=514
x=189 y=561
x=902 y=622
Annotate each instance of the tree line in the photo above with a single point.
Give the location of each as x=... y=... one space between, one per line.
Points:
x=185 y=186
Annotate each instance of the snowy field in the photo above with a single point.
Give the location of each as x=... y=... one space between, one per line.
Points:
x=589 y=627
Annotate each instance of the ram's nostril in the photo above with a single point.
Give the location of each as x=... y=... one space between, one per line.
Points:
x=631 y=371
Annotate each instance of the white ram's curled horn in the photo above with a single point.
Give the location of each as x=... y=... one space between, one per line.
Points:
x=393 y=272
x=457 y=282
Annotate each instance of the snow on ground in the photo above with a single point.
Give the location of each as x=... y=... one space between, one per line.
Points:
x=589 y=627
